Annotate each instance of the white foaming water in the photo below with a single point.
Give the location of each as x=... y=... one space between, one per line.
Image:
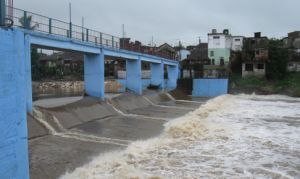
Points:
x=244 y=136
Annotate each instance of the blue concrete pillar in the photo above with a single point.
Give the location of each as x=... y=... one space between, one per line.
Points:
x=172 y=76
x=28 y=74
x=13 y=125
x=134 y=75
x=157 y=74
x=94 y=75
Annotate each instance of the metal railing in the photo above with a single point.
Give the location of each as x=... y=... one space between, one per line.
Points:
x=40 y=23
x=36 y=22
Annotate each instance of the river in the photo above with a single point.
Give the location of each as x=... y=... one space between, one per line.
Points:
x=242 y=136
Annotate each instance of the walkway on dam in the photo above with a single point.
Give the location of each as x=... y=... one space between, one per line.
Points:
x=87 y=127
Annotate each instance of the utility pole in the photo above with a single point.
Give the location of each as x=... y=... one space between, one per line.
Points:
x=70 y=15
x=152 y=41
x=70 y=12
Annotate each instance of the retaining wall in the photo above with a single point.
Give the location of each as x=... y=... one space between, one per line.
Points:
x=209 y=87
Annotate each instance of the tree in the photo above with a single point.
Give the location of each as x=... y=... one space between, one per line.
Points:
x=278 y=56
x=35 y=66
x=26 y=22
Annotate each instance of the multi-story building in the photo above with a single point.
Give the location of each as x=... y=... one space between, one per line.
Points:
x=292 y=43
x=237 y=43
x=219 y=47
x=255 y=55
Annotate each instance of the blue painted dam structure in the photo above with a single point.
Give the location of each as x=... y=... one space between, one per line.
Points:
x=209 y=87
x=16 y=87
x=16 y=82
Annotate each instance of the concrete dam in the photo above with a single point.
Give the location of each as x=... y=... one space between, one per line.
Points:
x=64 y=137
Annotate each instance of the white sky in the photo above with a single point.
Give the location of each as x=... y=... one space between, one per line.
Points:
x=171 y=20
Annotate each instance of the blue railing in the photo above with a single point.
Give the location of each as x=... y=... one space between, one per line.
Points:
x=40 y=23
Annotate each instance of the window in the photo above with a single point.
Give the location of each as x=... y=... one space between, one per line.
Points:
x=260 y=66
x=237 y=40
x=222 y=63
x=213 y=61
x=216 y=37
x=249 y=67
x=212 y=53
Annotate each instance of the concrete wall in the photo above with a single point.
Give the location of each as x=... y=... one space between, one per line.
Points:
x=209 y=87
x=13 y=125
x=145 y=83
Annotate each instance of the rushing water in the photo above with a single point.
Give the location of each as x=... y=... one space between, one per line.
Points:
x=244 y=136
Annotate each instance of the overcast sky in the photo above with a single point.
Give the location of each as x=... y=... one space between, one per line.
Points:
x=174 y=20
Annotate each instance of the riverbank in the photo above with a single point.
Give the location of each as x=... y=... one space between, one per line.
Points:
x=289 y=86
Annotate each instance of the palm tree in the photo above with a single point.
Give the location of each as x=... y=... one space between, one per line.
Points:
x=27 y=23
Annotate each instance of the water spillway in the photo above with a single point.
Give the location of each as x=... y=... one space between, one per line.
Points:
x=69 y=135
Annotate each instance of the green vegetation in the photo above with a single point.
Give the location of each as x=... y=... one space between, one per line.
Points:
x=277 y=65
x=58 y=72
x=277 y=80
x=288 y=85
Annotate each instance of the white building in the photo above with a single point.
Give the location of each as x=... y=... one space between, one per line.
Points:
x=219 y=46
x=183 y=54
x=237 y=43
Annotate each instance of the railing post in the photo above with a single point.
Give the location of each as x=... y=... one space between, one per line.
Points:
x=87 y=35
x=100 y=38
x=70 y=30
x=50 y=26
x=112 y=41
x=2 y=12
x=82 y=34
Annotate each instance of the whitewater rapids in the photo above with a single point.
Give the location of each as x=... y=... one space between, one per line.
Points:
x=243 y=136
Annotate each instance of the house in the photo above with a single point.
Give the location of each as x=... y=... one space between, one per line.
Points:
x=255 y=55
x=292 y=43
x=70 y=61
x=192 y=67
x=166 y=51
